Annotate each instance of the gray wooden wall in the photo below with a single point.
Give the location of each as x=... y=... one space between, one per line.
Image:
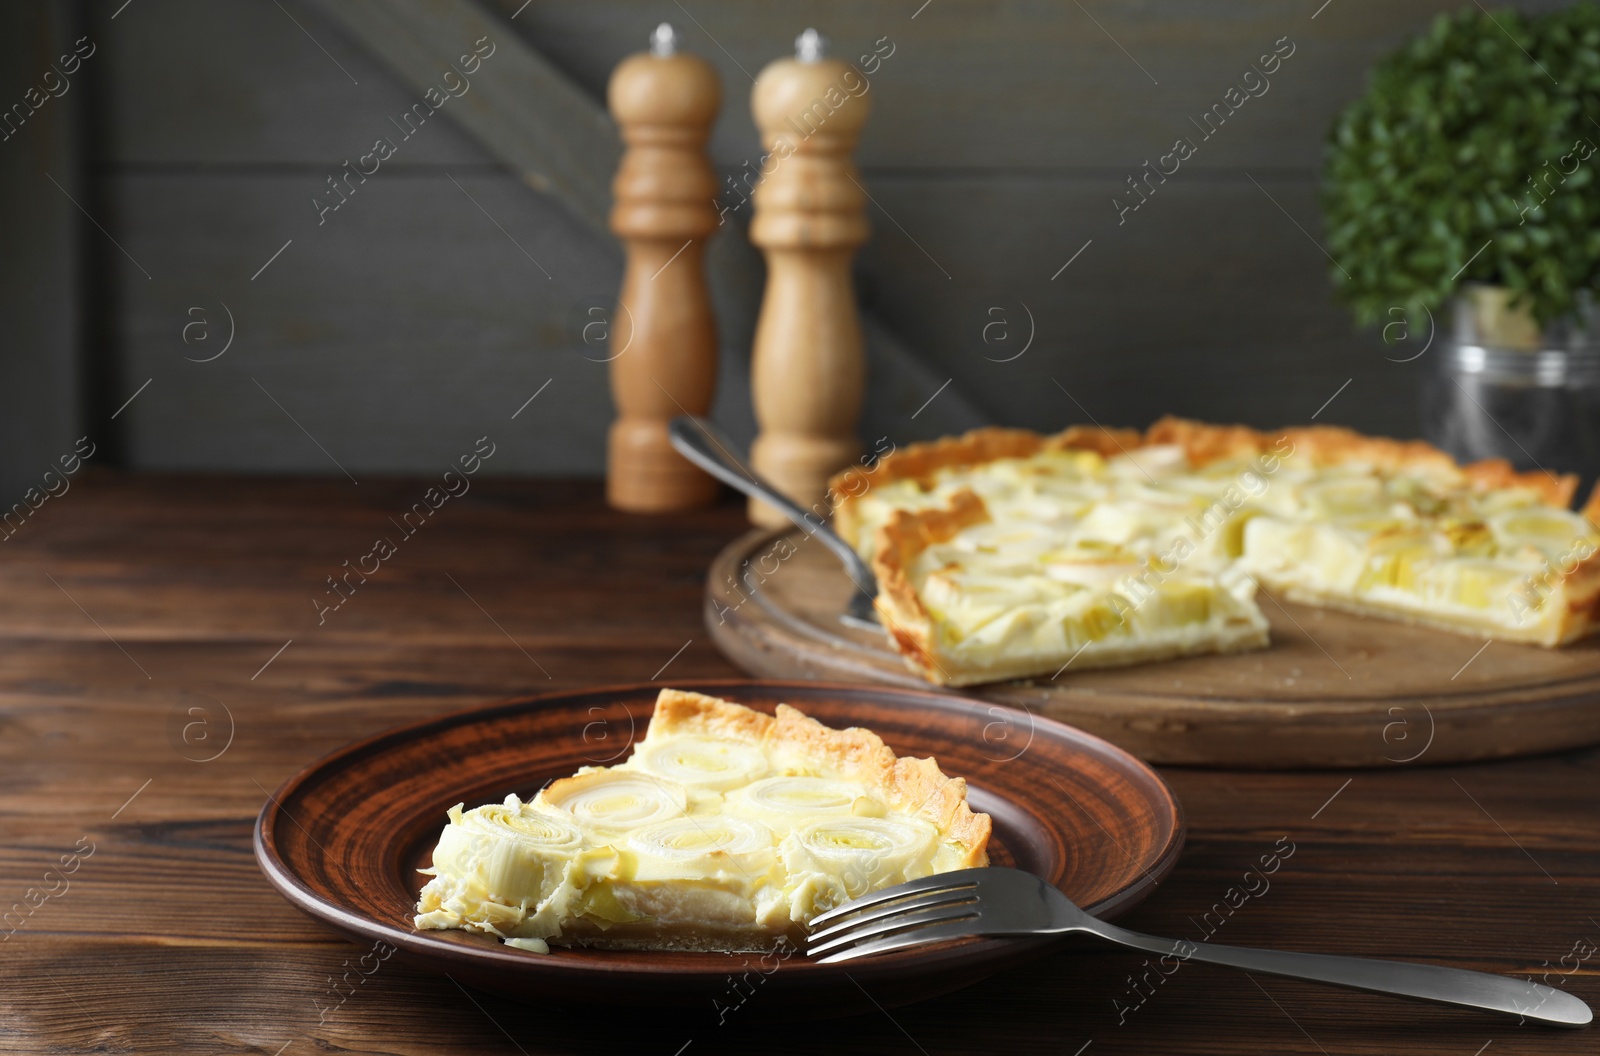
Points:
x=42 y=282
x=445 y=292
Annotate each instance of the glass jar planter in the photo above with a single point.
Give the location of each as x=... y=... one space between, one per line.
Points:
x=1502 y=388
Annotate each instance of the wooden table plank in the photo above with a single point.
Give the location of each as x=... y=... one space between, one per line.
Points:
x=169 y=940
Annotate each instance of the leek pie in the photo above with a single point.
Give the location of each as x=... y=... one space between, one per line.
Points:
x=1006 y=554
x=725 y=829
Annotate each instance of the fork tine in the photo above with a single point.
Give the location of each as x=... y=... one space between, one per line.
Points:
x=919 y=937
x=959 y=896
x=940 y=914
x=961 y=878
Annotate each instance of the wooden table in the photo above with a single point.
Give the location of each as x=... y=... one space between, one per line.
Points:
x=141 y=613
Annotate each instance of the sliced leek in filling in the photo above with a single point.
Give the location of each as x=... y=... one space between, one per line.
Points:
x=1041 y=603
x=727 y=833
x=1144 y=555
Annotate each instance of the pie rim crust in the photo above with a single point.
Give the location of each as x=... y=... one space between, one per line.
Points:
x=1203 y=442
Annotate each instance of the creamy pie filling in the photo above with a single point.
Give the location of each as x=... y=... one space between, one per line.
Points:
x=1009 y=599
x=1475 y=572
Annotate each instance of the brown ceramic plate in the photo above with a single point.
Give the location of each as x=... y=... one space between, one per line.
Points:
x=342 y=840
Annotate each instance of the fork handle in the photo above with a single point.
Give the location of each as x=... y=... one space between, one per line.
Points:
x=1451 y=986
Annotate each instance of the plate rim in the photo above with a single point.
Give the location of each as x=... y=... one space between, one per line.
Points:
x=290 y=886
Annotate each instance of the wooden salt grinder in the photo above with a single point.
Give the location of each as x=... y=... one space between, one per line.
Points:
x=664 y=342
x=807 y=370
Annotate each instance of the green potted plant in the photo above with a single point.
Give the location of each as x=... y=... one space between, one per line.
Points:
x=1462 y=187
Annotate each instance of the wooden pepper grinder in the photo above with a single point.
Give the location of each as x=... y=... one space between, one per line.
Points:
x=807 y=370
x=664 y=343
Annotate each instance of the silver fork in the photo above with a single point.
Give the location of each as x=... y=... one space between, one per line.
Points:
x=999 y=901
x=705 y=445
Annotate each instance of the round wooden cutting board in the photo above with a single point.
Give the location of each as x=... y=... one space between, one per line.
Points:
x=1332 y=689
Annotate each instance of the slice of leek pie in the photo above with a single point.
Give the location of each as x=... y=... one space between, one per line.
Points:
x=725 y=829
x=969 y=600
x=1005 y=554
